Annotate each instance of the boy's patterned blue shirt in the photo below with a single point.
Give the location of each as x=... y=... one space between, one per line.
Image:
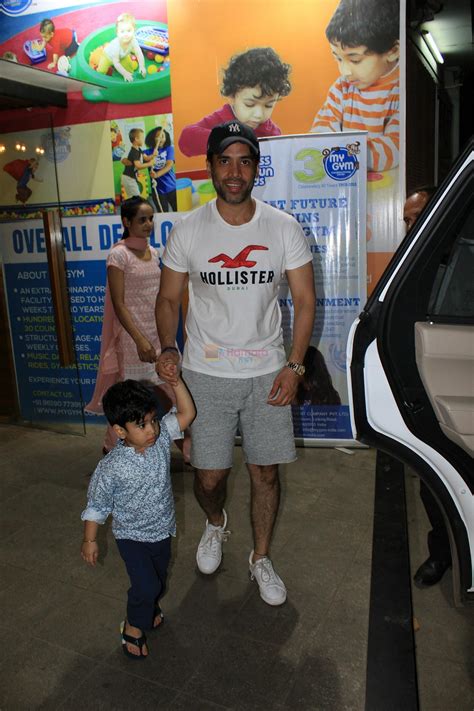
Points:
x=136 y=488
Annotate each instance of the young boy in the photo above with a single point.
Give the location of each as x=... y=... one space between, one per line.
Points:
x=118 y=52
x=253 y=83
x=134 y=162
x=133 y=483
x=61 y=41
x=364 y=39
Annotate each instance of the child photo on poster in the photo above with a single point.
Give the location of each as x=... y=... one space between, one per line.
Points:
x=364 y=40
x=253 y=82
x=143 y=160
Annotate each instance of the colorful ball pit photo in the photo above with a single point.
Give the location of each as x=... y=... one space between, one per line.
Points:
x=112 y=87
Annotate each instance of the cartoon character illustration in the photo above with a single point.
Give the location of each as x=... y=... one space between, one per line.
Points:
x=23 y=170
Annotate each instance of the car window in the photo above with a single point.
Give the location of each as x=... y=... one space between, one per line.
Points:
x=452 y=296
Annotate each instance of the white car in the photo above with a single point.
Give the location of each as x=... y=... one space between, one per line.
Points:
x=411 y=361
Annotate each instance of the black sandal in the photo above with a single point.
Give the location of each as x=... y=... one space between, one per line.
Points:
x=136 y=641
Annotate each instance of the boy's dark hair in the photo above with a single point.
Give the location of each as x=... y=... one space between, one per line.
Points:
x=374 y=24
x=150 y=139
x=133 y=133
x=260 y=66
x=128 y=401
x=129 y=209
x=46 y=25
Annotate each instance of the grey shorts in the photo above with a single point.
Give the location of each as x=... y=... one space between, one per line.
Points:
x=227 y=405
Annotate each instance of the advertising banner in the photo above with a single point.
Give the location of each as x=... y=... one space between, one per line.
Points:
x=48 y=392
x=120 y=50
x=318 y=179
x=299 y=69
x=321 y=181
x=318 y=65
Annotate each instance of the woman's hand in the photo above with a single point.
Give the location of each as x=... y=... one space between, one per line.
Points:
x=146 y=352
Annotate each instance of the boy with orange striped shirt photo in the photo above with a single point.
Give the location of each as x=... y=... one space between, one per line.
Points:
x=364 y=40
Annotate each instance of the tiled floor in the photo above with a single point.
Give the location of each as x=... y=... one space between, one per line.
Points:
x=221 y=646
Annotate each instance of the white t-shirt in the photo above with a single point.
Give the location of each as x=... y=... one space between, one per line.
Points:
x=115 y=52
x=233 y=324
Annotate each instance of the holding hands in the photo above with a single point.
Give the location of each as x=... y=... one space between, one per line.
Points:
x=168 y=365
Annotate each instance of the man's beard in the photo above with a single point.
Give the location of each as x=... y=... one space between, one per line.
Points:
x=230 y=198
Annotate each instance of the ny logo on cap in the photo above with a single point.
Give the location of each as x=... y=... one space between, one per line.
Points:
x=234 y=128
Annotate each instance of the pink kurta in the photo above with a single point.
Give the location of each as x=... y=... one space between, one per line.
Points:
x=118 y=353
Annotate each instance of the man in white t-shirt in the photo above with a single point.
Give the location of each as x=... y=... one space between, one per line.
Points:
x=234 y=253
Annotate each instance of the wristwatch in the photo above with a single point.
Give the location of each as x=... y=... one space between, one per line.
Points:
x=297 y=368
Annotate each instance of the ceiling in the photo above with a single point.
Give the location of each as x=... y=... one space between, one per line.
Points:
x=451 y=24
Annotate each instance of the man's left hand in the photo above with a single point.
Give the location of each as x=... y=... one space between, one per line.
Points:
x=284 y=388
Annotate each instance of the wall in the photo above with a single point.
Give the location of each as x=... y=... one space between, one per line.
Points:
x=91 y=136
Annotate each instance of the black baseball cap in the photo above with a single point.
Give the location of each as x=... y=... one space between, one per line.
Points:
x=230 y=132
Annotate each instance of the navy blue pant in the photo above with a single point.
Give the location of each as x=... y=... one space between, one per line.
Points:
x=147 y=568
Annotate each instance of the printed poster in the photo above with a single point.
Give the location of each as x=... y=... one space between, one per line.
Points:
x=48 y=392
x=193 y=76
x=321 y=181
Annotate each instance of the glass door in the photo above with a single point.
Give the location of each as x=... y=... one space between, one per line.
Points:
x=39 y=358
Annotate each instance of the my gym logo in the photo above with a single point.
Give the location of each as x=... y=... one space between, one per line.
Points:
x=15 y=7
x=310 y=166
x=341 y=163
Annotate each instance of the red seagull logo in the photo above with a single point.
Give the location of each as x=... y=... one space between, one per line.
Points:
x=240 y=260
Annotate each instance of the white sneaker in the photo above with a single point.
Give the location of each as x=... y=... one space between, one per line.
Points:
x=209 y=552
x=272 y=588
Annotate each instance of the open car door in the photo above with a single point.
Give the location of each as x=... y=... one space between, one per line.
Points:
x=411 y=361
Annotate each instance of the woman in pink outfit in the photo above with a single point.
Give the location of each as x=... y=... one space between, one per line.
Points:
x=130 y=344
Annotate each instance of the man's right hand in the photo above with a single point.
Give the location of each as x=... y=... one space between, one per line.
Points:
x=168 y=367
